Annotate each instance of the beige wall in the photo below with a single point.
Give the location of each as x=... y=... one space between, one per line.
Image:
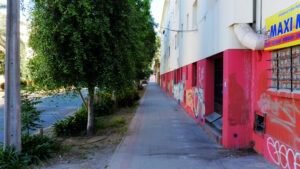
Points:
x=213 y=31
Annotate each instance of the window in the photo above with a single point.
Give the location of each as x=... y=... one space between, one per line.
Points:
x=187 y=21
x=260 y=123
x=194 y=74
x=176 y=41
x=195 y=13
x=177 y=76
x=180 y=74
x=174 y=77
x=187 y=73
x=286 y=69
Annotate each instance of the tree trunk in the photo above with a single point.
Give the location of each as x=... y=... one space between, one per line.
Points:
x=91 y=116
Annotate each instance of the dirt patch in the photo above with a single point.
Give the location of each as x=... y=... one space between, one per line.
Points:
x=93 y=152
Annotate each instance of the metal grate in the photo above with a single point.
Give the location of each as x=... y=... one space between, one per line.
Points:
x=286 y=69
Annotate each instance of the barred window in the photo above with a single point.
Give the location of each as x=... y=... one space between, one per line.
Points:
x=286 y=69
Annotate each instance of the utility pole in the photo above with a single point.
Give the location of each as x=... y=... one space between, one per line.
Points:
x=12 y=103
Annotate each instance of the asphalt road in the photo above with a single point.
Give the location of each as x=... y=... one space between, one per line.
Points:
x=54 y=108
x=162 y=136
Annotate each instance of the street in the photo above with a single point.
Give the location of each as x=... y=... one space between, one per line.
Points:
x=54 y=108
x=163 y=136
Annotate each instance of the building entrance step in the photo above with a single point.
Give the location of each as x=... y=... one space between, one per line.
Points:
x=213 y=117
x=213 y=133
x=218 y=124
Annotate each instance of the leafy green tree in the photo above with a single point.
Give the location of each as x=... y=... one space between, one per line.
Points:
x=121 y=65
x=134 y=43
x=101 y=43
x=144 y=37
x=69 y=40
x=2 y=47
x=2 y=43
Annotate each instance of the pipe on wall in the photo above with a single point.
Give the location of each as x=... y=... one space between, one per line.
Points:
x=248 y=37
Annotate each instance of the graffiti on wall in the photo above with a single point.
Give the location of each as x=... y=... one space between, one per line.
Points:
x=282 y=155
x=198 y=97
x=282 y=113
x=195 y=100
x=279 y=109
x=199 y=103
x=178 y=91
x=189 y=98
x=169 y=86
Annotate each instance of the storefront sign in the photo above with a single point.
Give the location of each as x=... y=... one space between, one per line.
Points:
x=283 y=28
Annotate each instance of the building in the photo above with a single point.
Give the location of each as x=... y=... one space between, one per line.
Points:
x=235 y=68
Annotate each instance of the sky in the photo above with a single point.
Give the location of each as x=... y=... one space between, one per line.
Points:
x=156 y=9
x=23 y=12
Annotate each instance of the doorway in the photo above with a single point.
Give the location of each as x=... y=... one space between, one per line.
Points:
x=218 y=86
x=214 y=120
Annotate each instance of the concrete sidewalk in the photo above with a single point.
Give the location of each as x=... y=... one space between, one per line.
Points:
x=162 y=136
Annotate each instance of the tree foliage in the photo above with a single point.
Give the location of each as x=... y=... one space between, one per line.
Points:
x=69 y=40
x=100 y=43
x=2 y=60
x=30 y=116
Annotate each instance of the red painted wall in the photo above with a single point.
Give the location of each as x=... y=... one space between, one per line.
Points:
x=237 y=99
x=245 y=93
x=198 y=100
x=281 y=141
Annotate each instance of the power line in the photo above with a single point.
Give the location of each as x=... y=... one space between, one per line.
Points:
x=174 y=30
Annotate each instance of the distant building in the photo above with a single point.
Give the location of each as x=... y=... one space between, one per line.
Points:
x=234 y=65
x=156 y=70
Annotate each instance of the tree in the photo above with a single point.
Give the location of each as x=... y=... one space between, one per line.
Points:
x=143 y=31
x=2 y=46
x=99 y=43
x=134 y=46
x=2 y=43
x=69 y=40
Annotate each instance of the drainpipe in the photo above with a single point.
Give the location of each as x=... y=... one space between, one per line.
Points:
x=248 y=37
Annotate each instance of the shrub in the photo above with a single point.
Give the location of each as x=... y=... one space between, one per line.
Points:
x=127 y=98
x=38 y=148
x=10 y=159
x=73 y=125
x=34 y=149
x=30 y=116
x=104 y=104
x=104 y=108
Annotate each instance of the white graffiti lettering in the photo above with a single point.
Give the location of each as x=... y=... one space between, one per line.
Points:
x=283 y=156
